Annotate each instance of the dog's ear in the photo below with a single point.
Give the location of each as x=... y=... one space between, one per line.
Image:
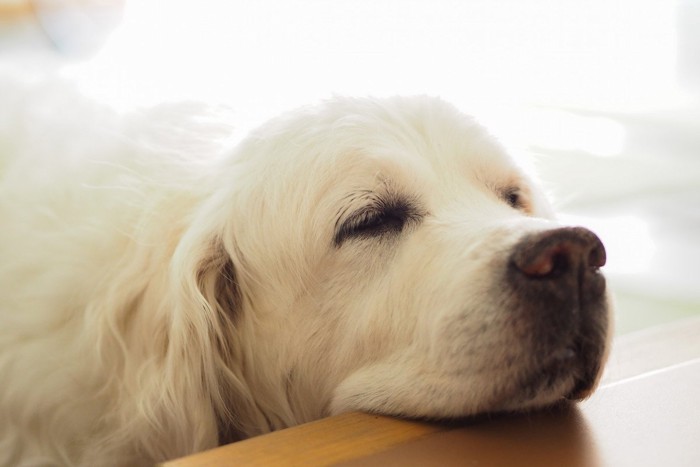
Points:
x=219 y=300
x=216 y=281
x=174 y=339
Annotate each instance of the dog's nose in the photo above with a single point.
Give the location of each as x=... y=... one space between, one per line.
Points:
x=561 y=304
x=559 y=253
x=555 y=273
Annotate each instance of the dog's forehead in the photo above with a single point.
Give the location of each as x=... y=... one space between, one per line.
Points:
x=421 y=143
x=420 y=147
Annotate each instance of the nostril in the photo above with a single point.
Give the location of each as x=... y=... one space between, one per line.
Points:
x=549 y=262
x=554 y=253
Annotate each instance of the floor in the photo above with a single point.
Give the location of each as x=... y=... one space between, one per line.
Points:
x=603 y=100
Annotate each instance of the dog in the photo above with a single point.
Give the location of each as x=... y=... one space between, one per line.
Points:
x=162 y=294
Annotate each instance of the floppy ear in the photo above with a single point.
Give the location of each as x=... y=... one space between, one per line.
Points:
x=216 y=282
x=216 y=287
x=168 y=336
x=208 y=318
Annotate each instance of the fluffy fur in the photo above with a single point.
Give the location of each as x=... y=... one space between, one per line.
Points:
x=161 y=293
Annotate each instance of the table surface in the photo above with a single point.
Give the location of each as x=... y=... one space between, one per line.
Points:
x=646 y=413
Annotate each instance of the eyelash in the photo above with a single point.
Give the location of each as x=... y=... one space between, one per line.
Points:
x=375 y=221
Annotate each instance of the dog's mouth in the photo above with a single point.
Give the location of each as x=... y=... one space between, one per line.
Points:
x=556 y=376
x=568 y=373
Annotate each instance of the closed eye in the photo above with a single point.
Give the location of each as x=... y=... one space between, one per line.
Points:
x=377 y=220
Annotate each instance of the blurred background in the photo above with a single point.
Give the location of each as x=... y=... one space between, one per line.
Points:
x=602 y=97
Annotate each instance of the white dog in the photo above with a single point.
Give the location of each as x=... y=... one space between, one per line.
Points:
x=158 y=299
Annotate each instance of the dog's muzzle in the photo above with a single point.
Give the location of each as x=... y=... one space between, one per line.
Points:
x=555 y=278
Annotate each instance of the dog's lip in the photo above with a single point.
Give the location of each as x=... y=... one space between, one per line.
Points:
x=564 y=354
x=560 y=363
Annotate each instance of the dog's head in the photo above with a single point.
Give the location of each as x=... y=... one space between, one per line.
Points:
x=388 y=256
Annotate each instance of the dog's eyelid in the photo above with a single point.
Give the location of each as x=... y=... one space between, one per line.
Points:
x=377 y=219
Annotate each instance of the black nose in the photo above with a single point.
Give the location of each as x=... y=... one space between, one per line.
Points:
x=557 y=254
x=554 y=277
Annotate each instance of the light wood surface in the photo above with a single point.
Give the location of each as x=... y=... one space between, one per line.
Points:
x=645 y=413
x=328 y=441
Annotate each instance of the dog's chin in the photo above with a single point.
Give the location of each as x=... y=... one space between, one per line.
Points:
x=564 y=376
x=558 y=380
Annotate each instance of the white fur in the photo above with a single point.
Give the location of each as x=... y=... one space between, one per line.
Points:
x=158 y=290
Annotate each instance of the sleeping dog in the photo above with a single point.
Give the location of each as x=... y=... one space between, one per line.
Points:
x=161 y=294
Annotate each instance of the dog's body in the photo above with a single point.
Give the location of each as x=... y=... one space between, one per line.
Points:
x=380 y=255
